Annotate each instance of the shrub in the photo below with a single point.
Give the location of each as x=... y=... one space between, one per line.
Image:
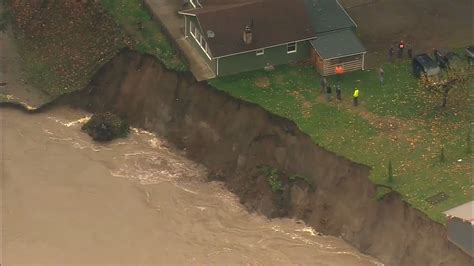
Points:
x=106 y=127
x=390 y=172
x=274 y=179
x=442 y=157
x=468 y=143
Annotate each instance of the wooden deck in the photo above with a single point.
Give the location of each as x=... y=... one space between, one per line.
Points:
x=166 y=13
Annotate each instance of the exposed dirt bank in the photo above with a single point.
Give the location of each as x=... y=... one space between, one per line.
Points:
x=234 y=139
x=67 y=200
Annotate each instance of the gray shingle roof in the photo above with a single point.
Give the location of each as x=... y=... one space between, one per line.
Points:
x=328 y=15
x=275 y=22
x=337 y=44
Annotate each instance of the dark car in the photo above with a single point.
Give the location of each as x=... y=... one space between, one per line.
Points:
x=424 y=65
x=443 y=57
x=470 y=54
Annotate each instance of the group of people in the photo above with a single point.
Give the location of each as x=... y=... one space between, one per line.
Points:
x=326 y=87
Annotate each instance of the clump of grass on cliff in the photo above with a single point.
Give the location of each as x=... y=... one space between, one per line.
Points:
x=63 y=43
x=397 y=121
x=145 y=33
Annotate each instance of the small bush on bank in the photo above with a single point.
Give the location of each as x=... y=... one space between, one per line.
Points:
x=106 y=127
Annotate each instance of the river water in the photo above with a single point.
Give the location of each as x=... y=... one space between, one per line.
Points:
x=68 y=200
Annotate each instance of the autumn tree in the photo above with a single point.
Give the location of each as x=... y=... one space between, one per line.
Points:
x=451 y=78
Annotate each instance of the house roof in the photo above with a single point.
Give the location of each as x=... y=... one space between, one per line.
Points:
x=275 y=22
x=337 y=44
x=464 y=211
x=328 y=15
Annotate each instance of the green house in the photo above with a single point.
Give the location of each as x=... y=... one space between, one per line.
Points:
x=242 y=35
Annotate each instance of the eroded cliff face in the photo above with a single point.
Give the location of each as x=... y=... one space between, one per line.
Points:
x=236 y=140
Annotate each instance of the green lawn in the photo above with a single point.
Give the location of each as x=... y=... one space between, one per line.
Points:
x=397 y=121
x=63 y=43
x=146 y=35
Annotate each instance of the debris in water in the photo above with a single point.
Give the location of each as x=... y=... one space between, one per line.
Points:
x=106 y=127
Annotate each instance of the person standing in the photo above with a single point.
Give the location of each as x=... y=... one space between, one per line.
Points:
x=339 y=72
x=338 y=92
x=381 y=75
x=390 y=53
x=324 y=83
x=328 y=93
x=355 y=96
x=409 y=51
x=401 y=46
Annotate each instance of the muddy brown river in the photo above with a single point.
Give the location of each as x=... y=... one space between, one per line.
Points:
x=68 y=200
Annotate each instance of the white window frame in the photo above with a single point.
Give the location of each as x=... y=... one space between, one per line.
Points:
x=260 y=52
x=202 y=42
x=199 y=38
x=292 y=51
x=192 y=28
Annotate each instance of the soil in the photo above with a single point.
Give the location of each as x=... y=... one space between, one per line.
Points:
x=423 y=24
x=263 y=82
x=235 y=139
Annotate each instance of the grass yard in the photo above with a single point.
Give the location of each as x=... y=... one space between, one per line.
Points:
x=397 y=121
x=145 y=33
x=62 y=43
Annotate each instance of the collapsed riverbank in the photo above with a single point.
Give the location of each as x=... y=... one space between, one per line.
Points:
x=236 y=140
x=273 y=167
x=68 y=200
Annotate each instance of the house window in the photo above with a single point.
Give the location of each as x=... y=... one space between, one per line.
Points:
x=291 y=48
x=260 y=52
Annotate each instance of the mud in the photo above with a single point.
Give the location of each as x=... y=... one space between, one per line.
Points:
x=235 y=139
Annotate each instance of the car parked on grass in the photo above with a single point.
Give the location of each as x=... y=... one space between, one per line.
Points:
x=424 y=65
x=443 y=57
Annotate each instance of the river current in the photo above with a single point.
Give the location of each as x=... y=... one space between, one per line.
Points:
x=69 y=200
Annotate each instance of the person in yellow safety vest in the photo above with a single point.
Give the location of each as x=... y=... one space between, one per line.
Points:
x=355 y=96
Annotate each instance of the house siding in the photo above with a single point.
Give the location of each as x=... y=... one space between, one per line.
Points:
x=462 y=234
x=211 y=62
x=273 y=56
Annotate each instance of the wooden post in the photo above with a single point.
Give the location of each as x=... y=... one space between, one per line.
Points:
x=363 y=61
